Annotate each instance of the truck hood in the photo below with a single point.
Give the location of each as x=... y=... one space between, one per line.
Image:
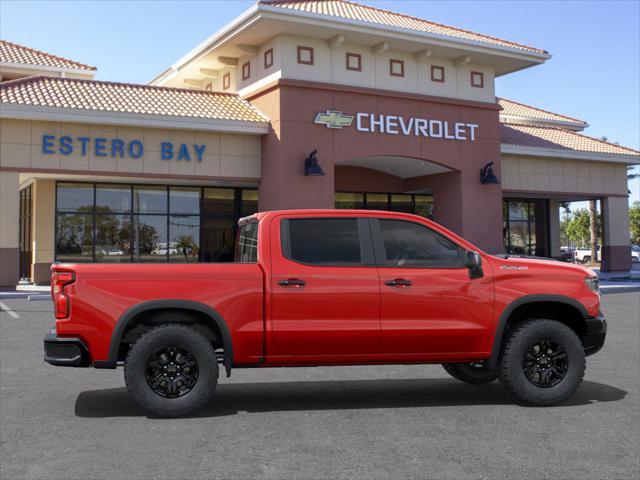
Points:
x=525 y=263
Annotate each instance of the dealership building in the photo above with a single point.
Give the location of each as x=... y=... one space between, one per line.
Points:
x=401 y=113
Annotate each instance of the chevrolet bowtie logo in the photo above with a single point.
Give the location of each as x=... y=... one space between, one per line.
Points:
x=333 y=119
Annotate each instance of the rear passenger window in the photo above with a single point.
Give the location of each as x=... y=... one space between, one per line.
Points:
x=409 y=245
x=322 y=241
x=247 y=248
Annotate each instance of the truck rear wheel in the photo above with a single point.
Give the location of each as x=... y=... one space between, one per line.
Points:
x=543 y=362
x=476 y=373
x=171 y=370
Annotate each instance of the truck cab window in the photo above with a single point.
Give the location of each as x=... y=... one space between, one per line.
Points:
x=322 y=241
x=247 y=248
x=409 y=245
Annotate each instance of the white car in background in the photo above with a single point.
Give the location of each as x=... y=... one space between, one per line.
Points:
x=583 y=255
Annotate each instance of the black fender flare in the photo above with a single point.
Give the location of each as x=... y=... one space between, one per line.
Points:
x=128 y=315
x=519 y=302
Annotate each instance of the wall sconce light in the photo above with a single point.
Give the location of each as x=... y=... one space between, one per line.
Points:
x=487 y=177
x=311 y=167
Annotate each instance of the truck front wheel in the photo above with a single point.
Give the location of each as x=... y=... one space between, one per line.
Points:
x=171 y=370
x=476 y=373
x=543 y=362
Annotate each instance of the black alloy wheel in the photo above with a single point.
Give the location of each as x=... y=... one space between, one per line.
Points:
x=172 y=372
x=545 y=363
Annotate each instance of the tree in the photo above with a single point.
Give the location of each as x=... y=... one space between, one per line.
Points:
x=634 y=222
x=578 y=228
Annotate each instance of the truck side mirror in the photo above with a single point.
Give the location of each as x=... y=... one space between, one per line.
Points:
x=473 y=261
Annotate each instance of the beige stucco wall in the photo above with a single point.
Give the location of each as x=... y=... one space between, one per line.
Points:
x=330 y=67
x=9 y=209
x=44 y=201
x=226 y=155
x=563 y=175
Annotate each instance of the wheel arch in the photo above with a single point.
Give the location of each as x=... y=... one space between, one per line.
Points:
x=186 y=307
x=518 y=309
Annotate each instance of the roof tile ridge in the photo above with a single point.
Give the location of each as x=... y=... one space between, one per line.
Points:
x=543 y=110
x=412 y=17
x=42 y=52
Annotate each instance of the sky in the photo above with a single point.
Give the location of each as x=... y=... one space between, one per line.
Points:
x=593 y=75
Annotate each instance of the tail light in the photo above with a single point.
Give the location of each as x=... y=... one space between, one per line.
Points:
x=61 y=301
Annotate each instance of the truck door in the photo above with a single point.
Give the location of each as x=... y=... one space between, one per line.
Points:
x=429 y=305
x=325 y=290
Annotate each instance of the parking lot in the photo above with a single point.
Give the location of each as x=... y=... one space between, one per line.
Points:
x=355 y=422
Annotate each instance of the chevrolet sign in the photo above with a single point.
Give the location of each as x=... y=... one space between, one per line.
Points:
x=400 y=125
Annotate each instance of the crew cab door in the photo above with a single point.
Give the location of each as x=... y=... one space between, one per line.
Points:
x=325 y=291
x=429 y=303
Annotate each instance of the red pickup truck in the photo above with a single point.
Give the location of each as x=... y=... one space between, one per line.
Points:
x=330 y=287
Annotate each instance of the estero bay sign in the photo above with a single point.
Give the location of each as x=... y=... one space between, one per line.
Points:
x=115 y=147
x=399 y=125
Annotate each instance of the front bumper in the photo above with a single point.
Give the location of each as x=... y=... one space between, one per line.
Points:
x=65 y=352
x=595 y=335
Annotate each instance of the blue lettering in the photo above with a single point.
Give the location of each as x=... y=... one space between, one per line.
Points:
x=66 y=145
x=117 y=146
x=100 y=145
x=47 y=143
x=199 y=150
x=84 y=141
x=184 y=152
x=136 y=149
x=167 y=150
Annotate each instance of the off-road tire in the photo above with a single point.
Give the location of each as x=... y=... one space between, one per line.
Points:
x=471 y=372
x=511 y=368
x=183 y=337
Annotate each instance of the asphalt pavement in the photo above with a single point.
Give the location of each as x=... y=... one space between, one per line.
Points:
x=338 y=422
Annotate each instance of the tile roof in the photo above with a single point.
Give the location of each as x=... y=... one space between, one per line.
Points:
x=101 y=96
x=354 y=11
x=516 y=109
x=14 y=53
x=558 y=139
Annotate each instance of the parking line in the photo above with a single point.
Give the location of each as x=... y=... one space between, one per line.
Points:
x=11 y=313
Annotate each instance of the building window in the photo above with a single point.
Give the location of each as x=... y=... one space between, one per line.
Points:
x=226 y=81
x=246 y=71
x=305 y=55
x=122 y=223
x=354 y=62
x=525 y=226
x=268 y=58
x=437 y=73
x=25 y=234
x=395 y=202
x=396 y=68
x=477 y=79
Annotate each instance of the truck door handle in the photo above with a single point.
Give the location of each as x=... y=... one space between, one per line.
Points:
x=292 y=282
x=398 y=282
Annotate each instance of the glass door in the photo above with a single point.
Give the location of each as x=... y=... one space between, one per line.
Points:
x=25 y=232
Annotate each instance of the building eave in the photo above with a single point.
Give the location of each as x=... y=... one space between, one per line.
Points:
x=507 y=149
x=433 y=38
x=46 y=68
x=574 y=126
x=57 y=114
x=262 y=11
